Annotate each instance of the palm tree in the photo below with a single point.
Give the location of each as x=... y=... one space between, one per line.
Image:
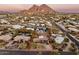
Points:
x=73 y=48
x=33 y=35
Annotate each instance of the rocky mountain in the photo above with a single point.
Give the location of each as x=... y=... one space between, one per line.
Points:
x=34 y=8
x=45 y=9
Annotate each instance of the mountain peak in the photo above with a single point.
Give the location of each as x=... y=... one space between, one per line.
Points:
x=46 y=9
x=44 y=5
x=34 y=7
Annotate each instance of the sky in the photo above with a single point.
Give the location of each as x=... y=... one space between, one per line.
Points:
x=67 y=8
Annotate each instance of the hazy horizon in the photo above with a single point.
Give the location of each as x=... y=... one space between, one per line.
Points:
x=67 y=8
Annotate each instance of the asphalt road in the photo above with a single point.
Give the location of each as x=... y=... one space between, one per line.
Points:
x=73 y=39
x=14 y=52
